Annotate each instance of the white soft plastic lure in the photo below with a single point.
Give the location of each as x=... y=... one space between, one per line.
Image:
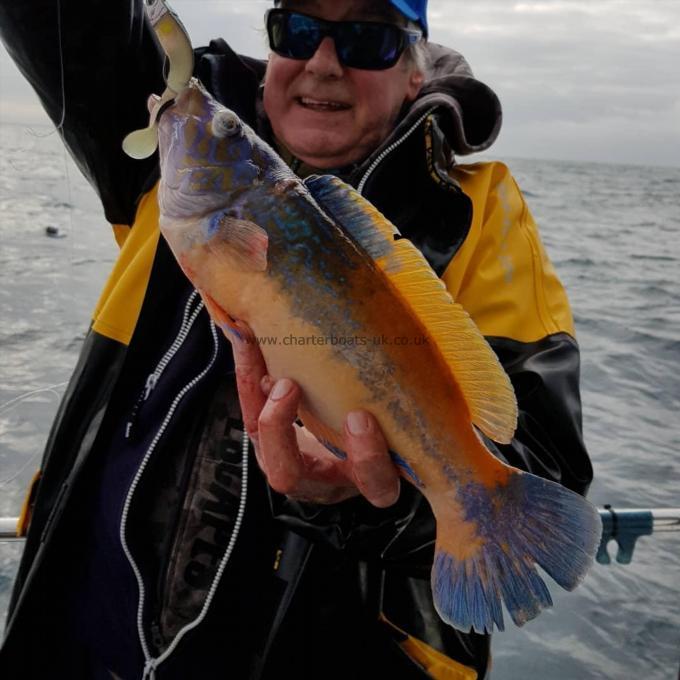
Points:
x=175 y=42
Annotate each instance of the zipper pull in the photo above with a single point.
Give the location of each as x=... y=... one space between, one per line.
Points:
x=150 y=385
x=149 y=670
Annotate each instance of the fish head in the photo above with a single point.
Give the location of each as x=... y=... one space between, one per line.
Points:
x=214 y=169
x=208 y=157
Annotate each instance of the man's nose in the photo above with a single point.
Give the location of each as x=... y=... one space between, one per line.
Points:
x=324 y=62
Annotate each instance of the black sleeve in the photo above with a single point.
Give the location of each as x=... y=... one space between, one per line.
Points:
x=549 y=437
x=111 y=63
x=548 y=442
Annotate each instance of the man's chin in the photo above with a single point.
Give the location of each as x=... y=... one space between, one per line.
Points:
x=324 y=153
x=325 y=161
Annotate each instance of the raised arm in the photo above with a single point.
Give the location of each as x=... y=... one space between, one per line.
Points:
x=92 y=63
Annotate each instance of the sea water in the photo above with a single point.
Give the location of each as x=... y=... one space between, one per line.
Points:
x=613 y=233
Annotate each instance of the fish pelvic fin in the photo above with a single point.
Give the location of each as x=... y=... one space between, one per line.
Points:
x=474 y=366
x=329 y=437
x=524 y=522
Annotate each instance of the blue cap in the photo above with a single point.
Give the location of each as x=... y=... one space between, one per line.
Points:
x=415 y=10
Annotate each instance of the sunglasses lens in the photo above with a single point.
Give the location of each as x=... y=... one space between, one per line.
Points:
x=364 y=45
x=291 y=35
x=368 y=46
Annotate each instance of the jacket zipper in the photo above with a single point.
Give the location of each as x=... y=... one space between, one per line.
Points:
x=153 y=378
x=387 y=151
x=156 y=633
x=151 y=663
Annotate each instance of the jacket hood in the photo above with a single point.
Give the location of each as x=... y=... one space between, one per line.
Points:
x=472 y=114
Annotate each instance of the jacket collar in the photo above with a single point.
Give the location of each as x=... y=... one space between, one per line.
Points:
x=469 y=112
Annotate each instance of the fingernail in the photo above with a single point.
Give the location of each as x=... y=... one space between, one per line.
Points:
x=281 y=389
x=388 y=499
x=358 y=423
x=266 y=384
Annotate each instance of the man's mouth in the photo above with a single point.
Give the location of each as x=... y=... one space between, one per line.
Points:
x=322 y=104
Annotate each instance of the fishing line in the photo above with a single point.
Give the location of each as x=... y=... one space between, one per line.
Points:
x=30 y=130
x=9 y=480
x=22 y=397
x=62 y=80
x=60 y=128
x=13 y=402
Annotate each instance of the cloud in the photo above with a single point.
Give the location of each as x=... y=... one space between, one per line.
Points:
x=578 y=80
x=595 y=80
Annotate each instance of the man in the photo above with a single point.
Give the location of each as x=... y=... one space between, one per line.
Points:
x=154 y=549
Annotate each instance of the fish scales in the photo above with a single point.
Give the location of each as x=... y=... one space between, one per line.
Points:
x=312 y=266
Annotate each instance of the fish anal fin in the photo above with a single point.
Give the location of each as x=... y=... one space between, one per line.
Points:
x=329 y=437
x=474 y=366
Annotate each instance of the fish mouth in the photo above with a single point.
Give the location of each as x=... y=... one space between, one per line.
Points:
x=322 y=105
x=164 y=107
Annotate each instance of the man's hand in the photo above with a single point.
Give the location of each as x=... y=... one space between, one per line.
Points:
x=293 y=460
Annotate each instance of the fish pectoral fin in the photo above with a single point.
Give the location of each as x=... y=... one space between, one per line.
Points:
x=490 y=539
x=474 y=366
x=247 y=242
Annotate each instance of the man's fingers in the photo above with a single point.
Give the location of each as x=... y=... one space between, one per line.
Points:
x=281 y=458
x=250 y=369
x=371 y=467
x=269 y=410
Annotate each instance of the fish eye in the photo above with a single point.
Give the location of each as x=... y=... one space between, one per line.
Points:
x=225 y=124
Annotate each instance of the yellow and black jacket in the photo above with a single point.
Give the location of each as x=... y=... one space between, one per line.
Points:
x=142 y=478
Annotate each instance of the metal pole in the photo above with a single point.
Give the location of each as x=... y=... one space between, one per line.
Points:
x=8 y=529
x=630 y=521
x=627 y=525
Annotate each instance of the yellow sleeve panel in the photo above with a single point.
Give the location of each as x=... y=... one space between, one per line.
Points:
x=502 y=275
x=120 y=233
x=117 y=311
x=437 y=665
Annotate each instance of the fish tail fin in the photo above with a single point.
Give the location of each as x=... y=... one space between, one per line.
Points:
x=510 y=529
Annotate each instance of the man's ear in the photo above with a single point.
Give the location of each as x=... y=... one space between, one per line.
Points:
x=415 y=82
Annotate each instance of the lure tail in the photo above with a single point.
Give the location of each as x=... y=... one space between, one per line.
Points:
x=517 y=525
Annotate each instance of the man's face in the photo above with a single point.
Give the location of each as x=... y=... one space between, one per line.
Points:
x=329 y=115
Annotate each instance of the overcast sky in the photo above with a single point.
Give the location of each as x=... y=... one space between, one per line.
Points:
x=595 y=80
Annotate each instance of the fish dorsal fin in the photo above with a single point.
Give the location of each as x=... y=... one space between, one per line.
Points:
x=474 y=365
x=375 y=234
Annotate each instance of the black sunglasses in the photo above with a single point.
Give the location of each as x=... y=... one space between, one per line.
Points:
x=359 y=44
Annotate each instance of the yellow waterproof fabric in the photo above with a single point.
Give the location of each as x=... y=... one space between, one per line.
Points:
x=437 y=665
x=27 y=507
x=117 y=311
x=502 y=275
